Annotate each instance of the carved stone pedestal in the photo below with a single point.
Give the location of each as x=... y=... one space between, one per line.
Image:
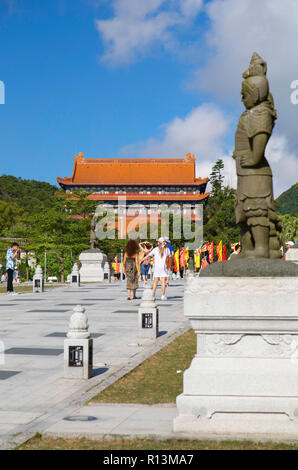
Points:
x=92 y=265
x=243 y=381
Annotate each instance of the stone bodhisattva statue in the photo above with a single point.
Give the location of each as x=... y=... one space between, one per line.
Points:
x=255 y=210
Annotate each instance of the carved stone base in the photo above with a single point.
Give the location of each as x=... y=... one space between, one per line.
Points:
x=238 y=426
x=244 y=377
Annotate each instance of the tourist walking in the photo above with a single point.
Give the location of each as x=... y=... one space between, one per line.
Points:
x=172 y=256
x=288 y=245
x=237 y=251
x=205 y=260
x=162 y=256
x=131 y=267
x=182 y=262
x=145 y=248
x=11 y=255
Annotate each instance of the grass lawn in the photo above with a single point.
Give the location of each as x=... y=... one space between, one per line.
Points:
x=39 y=443
x=156 y=380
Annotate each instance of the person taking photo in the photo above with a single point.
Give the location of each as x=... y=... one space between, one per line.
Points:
x=11 y=255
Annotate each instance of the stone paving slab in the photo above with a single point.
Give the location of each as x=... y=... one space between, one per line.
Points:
x=117 y=420
x=39 y=388
x=17 y=417
x=156 y=422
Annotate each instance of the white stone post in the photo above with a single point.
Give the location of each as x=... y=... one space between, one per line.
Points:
x=106 y=272
x=148 y=319
x=75 y=276
x=78 y=347
x=38 y=281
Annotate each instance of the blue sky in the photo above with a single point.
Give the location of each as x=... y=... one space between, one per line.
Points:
x=138 y=78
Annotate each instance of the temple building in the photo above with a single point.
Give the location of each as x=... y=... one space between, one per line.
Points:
x=146 y=181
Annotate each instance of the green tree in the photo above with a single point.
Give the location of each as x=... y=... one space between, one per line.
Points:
x=28 y=194
x=62 y=230
x=78 y=203
x=287 y=202
x=219 y=213
x=10 y=212
x=216 y=177
x=56 y=231
x=289 y=227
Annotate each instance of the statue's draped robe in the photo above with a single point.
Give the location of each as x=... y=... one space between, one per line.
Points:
x=254 y=204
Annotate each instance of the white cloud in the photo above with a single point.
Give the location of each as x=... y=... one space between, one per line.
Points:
x=204 y=167
x=283 y=162
x=201 y=132
x=137 y=25
x=269 y=27
x=190 y=8
x=236 y=29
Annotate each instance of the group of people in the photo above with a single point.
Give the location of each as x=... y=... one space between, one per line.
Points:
x=137 y=262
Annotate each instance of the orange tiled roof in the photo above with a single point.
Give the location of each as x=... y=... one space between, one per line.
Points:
x=137 y=171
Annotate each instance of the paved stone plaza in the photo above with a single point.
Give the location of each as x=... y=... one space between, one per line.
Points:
x=34 y=395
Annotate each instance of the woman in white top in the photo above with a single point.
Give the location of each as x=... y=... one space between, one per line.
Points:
x=161 y=272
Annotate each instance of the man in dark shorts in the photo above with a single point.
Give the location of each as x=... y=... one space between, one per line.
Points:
x=11 y=255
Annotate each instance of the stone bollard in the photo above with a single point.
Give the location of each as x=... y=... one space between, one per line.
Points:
x=78 y=347
x=148 y=322
x=38 y=281
x=75 y=276
x=106 y=272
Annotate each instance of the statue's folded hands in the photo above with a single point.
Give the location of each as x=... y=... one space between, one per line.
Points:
x=246 y=161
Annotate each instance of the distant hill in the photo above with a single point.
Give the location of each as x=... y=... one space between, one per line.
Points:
x=28 y=194
x=287 y=202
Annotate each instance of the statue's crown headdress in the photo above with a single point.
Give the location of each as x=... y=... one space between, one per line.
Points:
x=257 y=66
x=255 y=80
